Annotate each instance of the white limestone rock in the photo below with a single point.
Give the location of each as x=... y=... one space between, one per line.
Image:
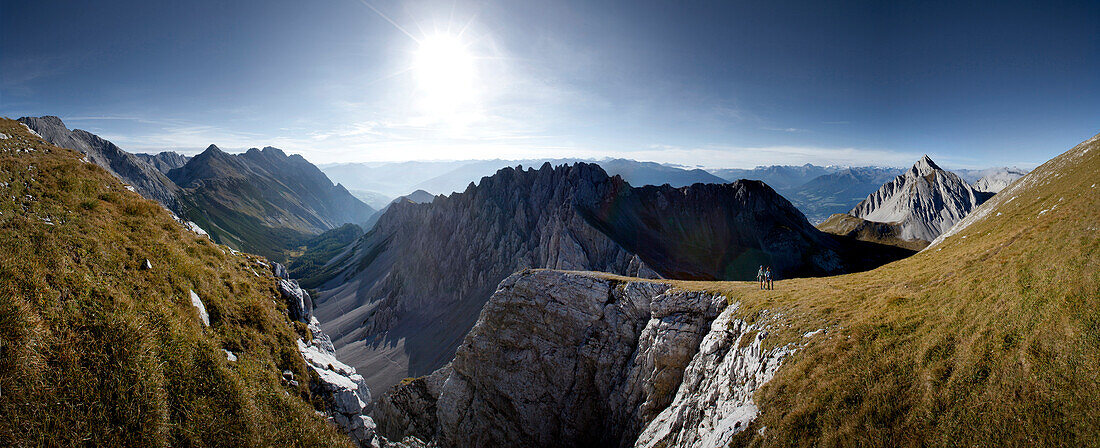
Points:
x=925 y=201
x=197 y=302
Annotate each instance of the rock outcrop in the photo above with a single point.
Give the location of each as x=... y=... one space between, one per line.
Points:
x=714 y=402
x=586 y=359
x=925 y=201
x=346 y=396
x=299 y=305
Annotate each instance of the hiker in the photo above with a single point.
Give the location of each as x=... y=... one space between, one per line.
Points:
x=768 y=278
x=760 y=276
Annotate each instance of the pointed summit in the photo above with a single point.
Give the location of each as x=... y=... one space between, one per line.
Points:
x=925 y=201
x=925 y=165
x=213 y=149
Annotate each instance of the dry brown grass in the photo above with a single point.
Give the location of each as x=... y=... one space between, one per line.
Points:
x=99 y=352
x=991 y=338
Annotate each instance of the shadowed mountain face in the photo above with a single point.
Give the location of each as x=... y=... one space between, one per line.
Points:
x=404 y=294
x=262 y=201
x=845 y=225
x=145 y=178
x=711 y=231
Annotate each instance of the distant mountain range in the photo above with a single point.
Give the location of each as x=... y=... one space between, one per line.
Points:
x=997 y=179
x=817 y=191
x=262 y=201
x=783 y=178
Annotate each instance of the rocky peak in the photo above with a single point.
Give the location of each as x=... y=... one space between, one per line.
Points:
x=212 y=149
x=925 y=201
x=925 y=166
x=274 y=151
x=51 y=120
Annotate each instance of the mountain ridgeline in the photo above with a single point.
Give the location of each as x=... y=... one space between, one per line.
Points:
x=262 y=201
x=389 y=322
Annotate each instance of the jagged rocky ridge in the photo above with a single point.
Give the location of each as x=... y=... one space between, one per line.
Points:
x=406 y=293
x=925 y=201
x=412 y=287
x=574 y=359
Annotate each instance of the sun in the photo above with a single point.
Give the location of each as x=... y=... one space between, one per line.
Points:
x=445 y=75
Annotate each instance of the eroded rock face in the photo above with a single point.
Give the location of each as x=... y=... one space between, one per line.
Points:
x=409 y=410
x=925 y=201
x=714 y=401
x=581 y=359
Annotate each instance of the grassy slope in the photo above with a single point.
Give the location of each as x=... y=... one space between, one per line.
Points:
x=98 y=352
x=990 y=338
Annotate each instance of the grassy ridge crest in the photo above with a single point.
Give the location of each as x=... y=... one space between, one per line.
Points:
x=97 y=351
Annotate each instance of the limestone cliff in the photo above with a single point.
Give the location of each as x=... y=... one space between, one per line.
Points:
x=585 y=359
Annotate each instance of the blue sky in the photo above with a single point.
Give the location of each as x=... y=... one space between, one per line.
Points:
x=715 y=84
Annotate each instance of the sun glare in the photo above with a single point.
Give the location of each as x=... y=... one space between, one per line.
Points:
x=445 y=75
